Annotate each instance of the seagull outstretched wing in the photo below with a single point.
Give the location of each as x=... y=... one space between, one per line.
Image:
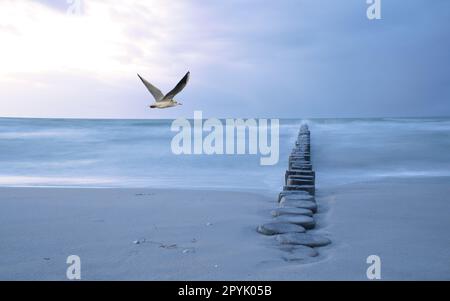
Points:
x=157 y=94
x=178 y=88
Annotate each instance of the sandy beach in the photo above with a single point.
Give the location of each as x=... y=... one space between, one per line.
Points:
x=224 y=141
x=150 y=234
x=182 y=234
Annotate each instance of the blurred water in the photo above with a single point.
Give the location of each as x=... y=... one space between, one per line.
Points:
x=136 y=153
x=353 y=150
x=123 y=153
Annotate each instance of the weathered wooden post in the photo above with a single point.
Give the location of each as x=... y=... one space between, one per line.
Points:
x=297 y=202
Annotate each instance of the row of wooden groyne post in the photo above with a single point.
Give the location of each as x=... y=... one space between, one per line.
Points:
x=293 y=218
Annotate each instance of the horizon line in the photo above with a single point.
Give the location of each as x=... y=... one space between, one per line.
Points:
x=293 y=118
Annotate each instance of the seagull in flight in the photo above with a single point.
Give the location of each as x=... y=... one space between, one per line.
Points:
x=165 y=101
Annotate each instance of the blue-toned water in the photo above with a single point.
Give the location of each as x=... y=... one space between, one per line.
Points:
x=354 y=150
x=137 y=153
x=123 y=153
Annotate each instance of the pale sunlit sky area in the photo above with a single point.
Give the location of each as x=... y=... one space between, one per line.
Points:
x=248 y=58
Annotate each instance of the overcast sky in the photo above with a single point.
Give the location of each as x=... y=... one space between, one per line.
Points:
x=248 y=58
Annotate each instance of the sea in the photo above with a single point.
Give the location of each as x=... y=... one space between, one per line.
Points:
x=137 y=153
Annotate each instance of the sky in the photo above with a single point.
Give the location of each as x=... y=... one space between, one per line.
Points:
x=248 y=58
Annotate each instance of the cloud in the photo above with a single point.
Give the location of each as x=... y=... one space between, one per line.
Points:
x=110 y=38
x=248 y=58
x=46 y=50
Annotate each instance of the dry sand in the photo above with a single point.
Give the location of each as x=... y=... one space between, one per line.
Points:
x=210 y=235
